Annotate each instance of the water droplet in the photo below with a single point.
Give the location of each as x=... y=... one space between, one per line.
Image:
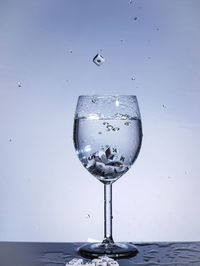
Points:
x=157 y=29
x=88 y=215
x=133 y=78
x=164 y=106
x=70 y=51
x=10 y=140
x=19 y=84
x=99 y=132
x=130 y=1
x=98 y=60
x=135 y=18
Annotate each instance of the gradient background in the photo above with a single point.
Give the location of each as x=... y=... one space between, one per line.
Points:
x=48 y=46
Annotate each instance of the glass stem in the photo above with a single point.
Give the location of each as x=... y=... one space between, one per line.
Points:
x=108 y=214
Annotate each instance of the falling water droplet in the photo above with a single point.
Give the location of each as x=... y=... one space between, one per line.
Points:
x=88 y=215
x=19 y=84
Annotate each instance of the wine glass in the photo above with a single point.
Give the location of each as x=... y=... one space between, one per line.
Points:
x=107 y=138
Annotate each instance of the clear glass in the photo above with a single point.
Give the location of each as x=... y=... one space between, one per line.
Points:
x=107 y=138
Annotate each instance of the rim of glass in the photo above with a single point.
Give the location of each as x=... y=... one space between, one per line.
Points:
x=107 y=95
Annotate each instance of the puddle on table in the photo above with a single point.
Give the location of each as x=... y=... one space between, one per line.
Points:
x=167 y=254
x=58 y=258
x=174 y=254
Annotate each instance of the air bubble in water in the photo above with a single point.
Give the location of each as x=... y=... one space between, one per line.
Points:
x=94 y=100
x=127 y=123
x=98 y=60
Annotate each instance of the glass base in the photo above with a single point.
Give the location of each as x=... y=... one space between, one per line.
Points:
x=115 y=250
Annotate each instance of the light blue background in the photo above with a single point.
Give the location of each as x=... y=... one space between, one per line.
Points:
x=45 y=193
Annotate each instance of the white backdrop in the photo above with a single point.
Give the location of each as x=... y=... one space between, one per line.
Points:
x=48 y=46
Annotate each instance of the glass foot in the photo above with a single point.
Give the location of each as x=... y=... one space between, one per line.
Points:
x=115 y=250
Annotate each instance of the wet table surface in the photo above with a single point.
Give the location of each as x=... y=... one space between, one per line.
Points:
x=52 y=254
